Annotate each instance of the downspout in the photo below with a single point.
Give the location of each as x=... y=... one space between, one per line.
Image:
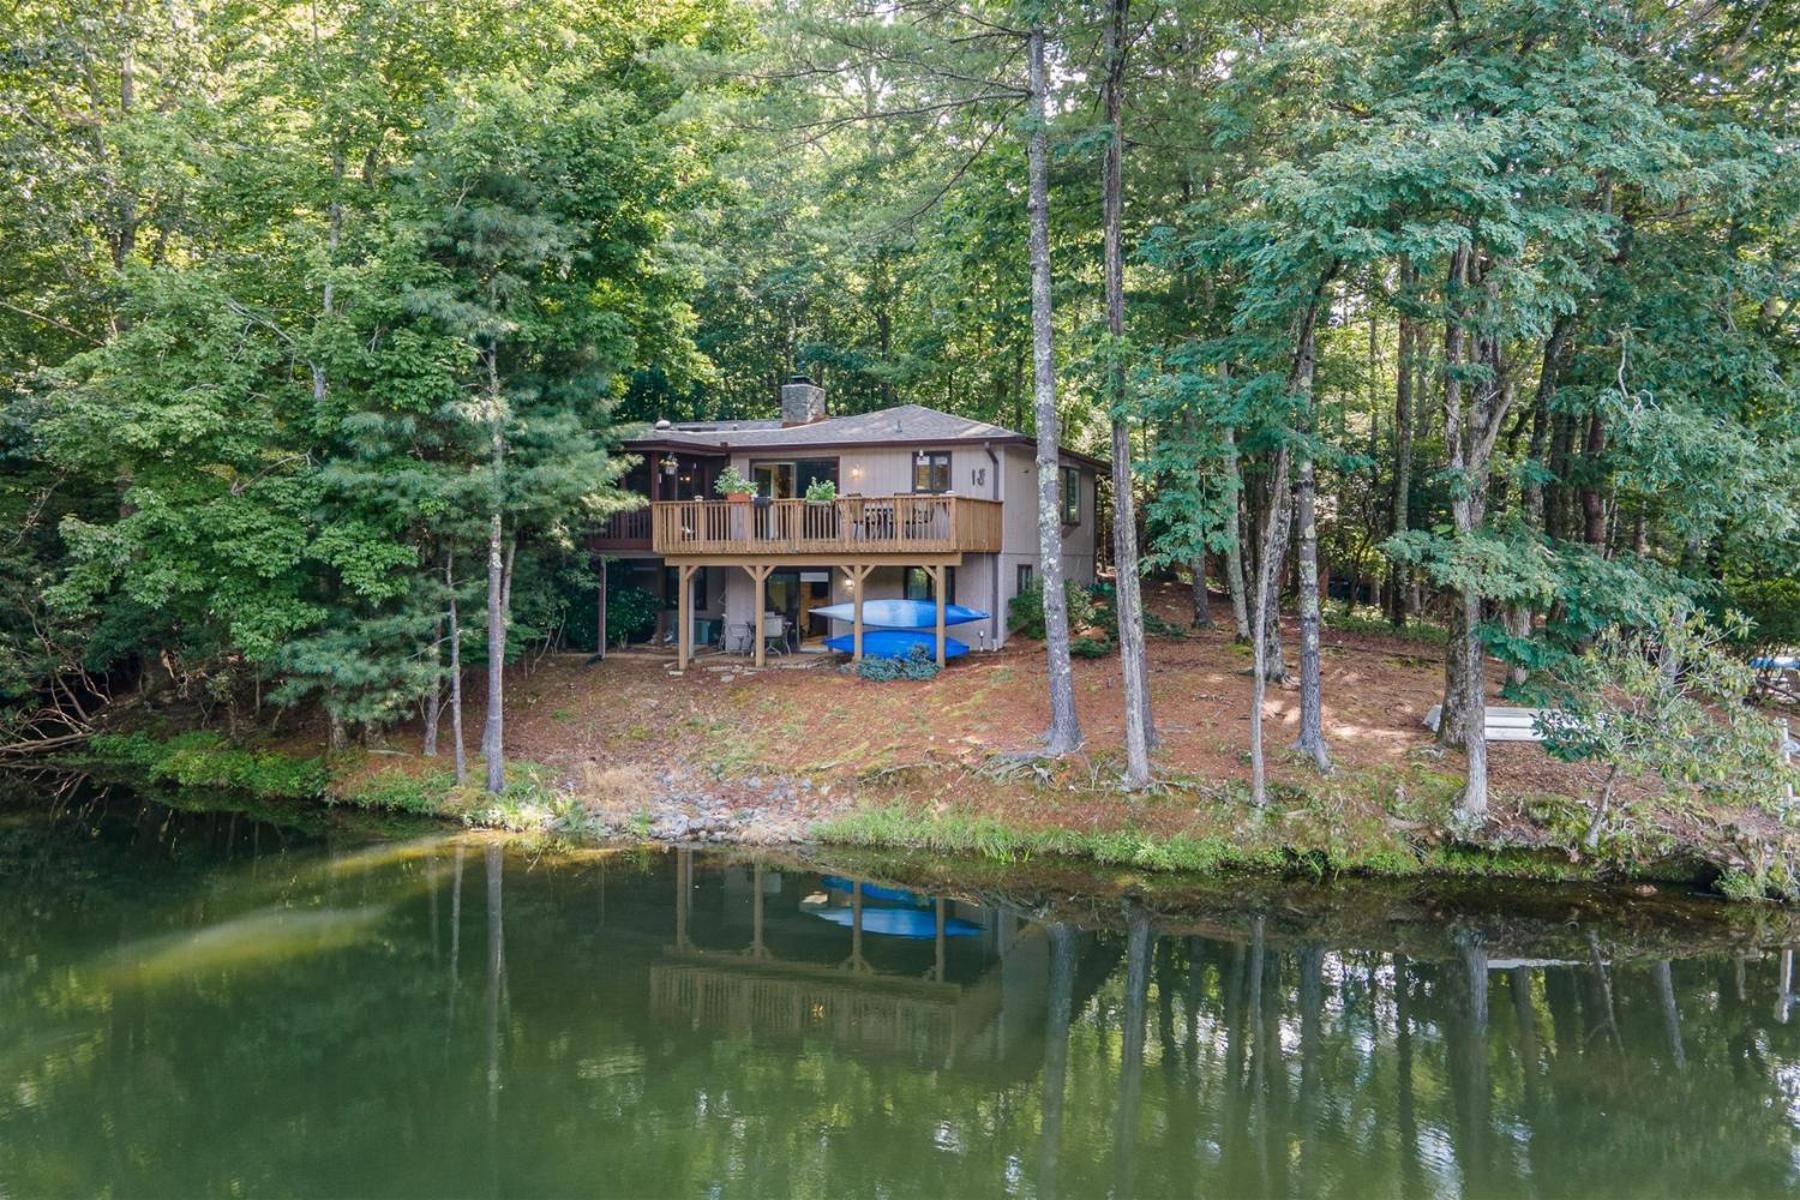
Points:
x=999 y=560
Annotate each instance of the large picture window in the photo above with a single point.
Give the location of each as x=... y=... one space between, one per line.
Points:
x=931 y=471
x=1071 y=496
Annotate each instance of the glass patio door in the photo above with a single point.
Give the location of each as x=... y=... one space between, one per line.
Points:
x=774 y=480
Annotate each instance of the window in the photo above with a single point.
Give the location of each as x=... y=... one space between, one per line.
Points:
x=1071 y=496
x=918 y=584
x=1026 y=575
x=789 y=480
x=931 y=471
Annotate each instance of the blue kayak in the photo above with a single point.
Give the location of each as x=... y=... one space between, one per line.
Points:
x=895 y=643
x=899 y=922
x=874 y=891
x=901 y=614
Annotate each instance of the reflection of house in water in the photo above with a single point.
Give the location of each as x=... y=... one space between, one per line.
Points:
x=768 y=952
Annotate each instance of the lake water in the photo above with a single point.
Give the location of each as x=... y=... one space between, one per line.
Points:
x=197 y=1005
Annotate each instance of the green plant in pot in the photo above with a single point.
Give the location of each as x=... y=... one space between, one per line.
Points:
x=732 y=485
x=821 y=491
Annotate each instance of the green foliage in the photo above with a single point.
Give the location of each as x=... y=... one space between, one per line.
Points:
x=732 y=482
x=918 y=663
x=1025 y=612
x=1771 y=607
x=821 y=490
x=1664 y=706
x=423 y=794
x=205 y=760
x=1089 y=646
x=631 y=614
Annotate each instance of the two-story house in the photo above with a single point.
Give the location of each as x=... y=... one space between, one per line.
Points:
x=928 y=506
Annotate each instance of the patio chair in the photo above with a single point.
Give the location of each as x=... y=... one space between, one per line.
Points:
x=774 y=632
x=740 y=637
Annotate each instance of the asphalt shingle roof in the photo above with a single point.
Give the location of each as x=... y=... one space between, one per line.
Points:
x=902 y=423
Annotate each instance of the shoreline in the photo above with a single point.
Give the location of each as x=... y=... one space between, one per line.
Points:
x=629 y=750
x=774 y=812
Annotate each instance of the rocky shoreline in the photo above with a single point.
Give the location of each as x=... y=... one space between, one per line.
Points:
x=689 y=808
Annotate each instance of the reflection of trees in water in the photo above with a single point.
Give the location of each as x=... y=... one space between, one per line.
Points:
x=1119 y=1060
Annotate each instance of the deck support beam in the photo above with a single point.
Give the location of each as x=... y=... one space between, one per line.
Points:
x=937 y=590
x=859 y=574
x=759 y=575
x=684 y=616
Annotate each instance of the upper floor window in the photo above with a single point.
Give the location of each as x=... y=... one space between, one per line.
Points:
x=931 y=471
x=1071 y=496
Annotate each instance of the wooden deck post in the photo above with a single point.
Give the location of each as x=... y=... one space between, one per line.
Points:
x=684 y=616
x=858 y=576
x=937 y=589
x=759 y=575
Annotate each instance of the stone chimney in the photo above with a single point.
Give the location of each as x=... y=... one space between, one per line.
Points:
x=802 y=402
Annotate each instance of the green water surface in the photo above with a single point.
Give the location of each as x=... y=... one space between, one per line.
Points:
x=198 y=1005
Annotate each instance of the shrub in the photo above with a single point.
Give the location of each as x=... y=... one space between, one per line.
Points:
x=821 y=490
x=630 y=613
x=1092 y=647
x=203 y=759
x=1665 y=704
x=919 y=663
x=423 y=794
x=1025 y=613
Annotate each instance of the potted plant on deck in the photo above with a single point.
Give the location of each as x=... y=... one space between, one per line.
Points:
x=733 y=486
x=821 y=491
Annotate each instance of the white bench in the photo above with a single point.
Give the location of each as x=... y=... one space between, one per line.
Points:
x=1500 y=724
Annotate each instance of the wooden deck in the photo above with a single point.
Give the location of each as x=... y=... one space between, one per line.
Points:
x=866 y=529
x=624 y=531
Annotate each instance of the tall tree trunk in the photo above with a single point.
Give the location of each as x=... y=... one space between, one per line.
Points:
x=1064 y=734
x=434 y=699
x=456 y=675
x=1593 y=506
x=1128 y=599
x=1403 y=443
x=493 y=735
x=1234 y=550
x=1269 y=557
x=1281 y=508
x=1453 y=723
x=1312 y=702
x=1202 y=602
x=1470 y=435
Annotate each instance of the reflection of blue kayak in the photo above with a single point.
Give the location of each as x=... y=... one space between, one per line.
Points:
x=895 y=643
x=901 y=614
x=874 y=891
x=898 y=922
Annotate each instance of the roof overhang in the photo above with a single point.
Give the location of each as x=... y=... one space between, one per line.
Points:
x=726 y=447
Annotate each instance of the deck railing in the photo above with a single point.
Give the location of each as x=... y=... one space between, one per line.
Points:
x=924 y=524
x=625 y=531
